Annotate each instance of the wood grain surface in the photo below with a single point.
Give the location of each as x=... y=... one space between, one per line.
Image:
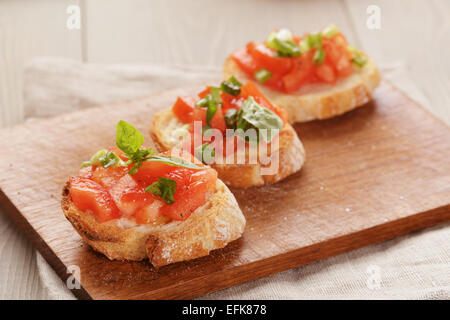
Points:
x=372 y=174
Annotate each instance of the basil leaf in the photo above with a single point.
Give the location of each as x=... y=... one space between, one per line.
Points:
x=104 y=158
x=319 y=57
x=205 y=153
x=211 y=102
x=314 y=40
x=128 y=138
x=235 y=81
x=282 y=42
x=358 y=59
x=311 y=41
x=254 y=115
x=164 y=188
x=230 y=118
x=231 y=86
x=210 y=112
x=262 y=75
x=330 y=31
x=173 y=161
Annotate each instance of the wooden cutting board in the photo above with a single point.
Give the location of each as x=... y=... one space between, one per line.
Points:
x=372 y=174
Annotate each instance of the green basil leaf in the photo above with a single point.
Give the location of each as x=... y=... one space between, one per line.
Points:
x=358 y=59
x=314 y=40
x=128 y=138
x=231 y=86
x=173 y=161
x=254 y=115
x=230 y=118
x=319 y=57
x=235 y=81
x=262 y=75
x=210 y=112
x=330 y=31
x=282 y=42
x=164 y=188
x=104 y=158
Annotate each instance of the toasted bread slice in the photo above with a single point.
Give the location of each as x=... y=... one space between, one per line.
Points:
x=212 y=226
x=165 y=132
x=319 y=101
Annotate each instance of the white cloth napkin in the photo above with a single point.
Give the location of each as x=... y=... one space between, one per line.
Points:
x=415 y=266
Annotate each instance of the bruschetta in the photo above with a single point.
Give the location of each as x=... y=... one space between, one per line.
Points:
x=219 y=123
x=131 y=203
x=316 y=76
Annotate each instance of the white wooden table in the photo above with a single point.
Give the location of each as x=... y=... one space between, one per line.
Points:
x=414 y=36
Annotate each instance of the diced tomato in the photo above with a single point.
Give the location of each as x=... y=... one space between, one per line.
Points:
x=266 y=57
x=199 y=115
x=150 y=171
x=289 y=74
x=218 y=121
x=89 y=195
x=231 y=102
x=150 y=213
x=107 y=177
x=249 y=89
x=183 y=108
x=337 y=56
x=245 y=61
x=192 y=189
x=204 y=93
x=129 y=196
x=326 y=73
x=86 y=172
x=299 y=75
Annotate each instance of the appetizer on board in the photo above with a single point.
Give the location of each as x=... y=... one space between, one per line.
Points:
x=315 y=76
x=232 y=112
x=131 y=203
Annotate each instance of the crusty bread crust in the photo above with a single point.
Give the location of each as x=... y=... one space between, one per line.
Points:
x=319 y=101
x=210 y=227
x=291 y=154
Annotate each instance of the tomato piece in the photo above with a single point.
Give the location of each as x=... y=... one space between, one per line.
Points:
x=266 y=57
x=183 y=108
x=150 y=171
x=107 y=177
x=89 y=195
x=245 y=61
x=218 y=120
x=86 y=172
x=326 y=73
x=299 y=75
x=204 y=93
x=129 y=196
x=150 y=213
x=231 y=102
x=199 y=115
x=249 y=89
x=192 y=189
x=337 y=56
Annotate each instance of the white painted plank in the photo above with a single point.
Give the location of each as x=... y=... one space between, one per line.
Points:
x=30 y=28
x=200 y=32
x=414 y=35
x=27 y=28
